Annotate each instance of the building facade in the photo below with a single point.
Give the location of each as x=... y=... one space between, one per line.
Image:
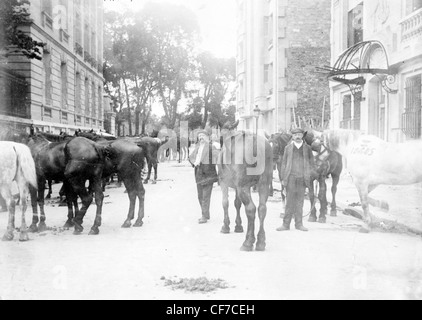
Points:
x=280 y=44
x=377 y=67
x=65 y=89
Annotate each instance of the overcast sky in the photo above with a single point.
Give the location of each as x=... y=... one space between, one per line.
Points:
x=217 y=20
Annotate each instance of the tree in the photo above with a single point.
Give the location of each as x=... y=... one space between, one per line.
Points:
x=215 y=77
x=13 y=15
x=174 y=29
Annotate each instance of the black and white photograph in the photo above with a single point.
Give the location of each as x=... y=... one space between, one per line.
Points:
x=210 y=154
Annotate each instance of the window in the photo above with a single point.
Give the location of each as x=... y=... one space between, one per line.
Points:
x=347 y=107
x=61 y=12
x=93 y=101
x=47 y=7
x=355 y=26
x=64 y=116
x=78 y=119
x=63 y=71
x=78 y=102
x=357 y=111
x=100 y=103
x=413 y=5
x=78 y=24
x=48 y=112
x=412 y=117
x=87 y=112
x=47 y=78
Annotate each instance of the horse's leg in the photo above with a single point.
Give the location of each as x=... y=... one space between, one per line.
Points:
x=23 y=206
x=313 y=216
x=250 y=208
x=149 y=172
x=322 y=196
x=50 y=189
x=99 y=198
x=271 y=189
x=363 y=190
x=11 y=204
x=131 y=192
x=78 y=186
x=226 y=222
x=141 y=196
x=34 y=203
x=336 y=180
x=41 y=189
x=262 y=213
x=71 y=198
x=238 y=206
x=155 y=165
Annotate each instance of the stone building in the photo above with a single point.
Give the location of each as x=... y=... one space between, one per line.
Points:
x=377 y=67
x=64 y=89
x=280 y=45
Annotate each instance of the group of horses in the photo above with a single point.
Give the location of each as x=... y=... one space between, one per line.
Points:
x=32 y=159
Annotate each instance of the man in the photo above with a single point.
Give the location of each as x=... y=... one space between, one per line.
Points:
x=204 y=159
x=297 y=168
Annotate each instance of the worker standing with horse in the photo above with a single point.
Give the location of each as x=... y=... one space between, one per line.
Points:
x=204 y=160
x=296 y=173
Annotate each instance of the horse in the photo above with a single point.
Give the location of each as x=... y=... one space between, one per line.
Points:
x=245 y=161
x=16 y=165
x=151 y=147
x=328 y=163
x=372 y=161
x=127 y=160
x=85 y=161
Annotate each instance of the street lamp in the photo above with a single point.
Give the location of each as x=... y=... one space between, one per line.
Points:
x=257 y=113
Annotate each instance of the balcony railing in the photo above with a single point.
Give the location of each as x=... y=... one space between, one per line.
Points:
x=412 y=26
x=411 y=123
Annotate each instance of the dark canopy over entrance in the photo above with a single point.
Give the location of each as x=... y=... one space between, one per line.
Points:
x=368 y=57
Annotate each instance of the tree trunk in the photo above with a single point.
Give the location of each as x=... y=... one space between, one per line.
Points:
x=137 y=122
x=129 y=117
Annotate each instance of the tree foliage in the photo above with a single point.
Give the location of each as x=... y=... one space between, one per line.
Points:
x=13 y=15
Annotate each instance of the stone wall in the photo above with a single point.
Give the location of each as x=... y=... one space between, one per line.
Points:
x=308 y=30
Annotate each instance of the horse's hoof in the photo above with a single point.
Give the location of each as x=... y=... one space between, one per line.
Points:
x=364 y=230
x=312 y=219
x=154 y=182
x=33 y=228
x=246 y=248
x=8 y=236
x=78 y=229
x=260 y=247
x=48 y=197
x=138 y=224
x=146 y=181
x=94 y=232
x=238 y=229
x=69 y=224
x=126 y=225
x=322 y=220
x=225 y=230
x=23 y=237
x=42 y=227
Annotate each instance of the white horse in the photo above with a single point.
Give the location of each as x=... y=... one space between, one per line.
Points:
x=373 y=162
x=16 y=166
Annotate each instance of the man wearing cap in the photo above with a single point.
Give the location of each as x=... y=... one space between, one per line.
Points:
x=204 y=160
x=298 y=166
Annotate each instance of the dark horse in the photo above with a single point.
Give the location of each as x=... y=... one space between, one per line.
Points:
x=151 y=147
x=128 y=161
x=328 y=163
x=245 y=161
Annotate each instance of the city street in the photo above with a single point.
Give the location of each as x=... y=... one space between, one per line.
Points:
x=331 y=261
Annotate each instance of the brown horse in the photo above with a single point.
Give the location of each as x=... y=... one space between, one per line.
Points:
x=245 y=161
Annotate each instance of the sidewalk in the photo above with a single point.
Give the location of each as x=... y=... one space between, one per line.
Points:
x=405 y=203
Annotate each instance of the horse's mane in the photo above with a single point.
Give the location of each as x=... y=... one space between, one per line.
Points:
x=335 y=139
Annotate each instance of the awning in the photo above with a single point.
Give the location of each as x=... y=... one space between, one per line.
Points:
x=368 y=57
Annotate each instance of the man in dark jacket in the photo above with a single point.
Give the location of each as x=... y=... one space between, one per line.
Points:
x=204 y=159
x=297 y=170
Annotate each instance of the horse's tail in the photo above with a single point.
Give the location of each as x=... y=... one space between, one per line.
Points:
x=26 y=164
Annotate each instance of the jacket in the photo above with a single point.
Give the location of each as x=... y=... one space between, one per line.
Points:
x=206 y=172
x=309 y=165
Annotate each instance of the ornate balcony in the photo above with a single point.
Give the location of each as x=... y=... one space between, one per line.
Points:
x=412 y=26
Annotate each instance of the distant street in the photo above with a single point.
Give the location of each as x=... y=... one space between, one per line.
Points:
x=331 y=261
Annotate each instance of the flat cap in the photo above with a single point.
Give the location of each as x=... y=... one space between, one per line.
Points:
x=297 y=130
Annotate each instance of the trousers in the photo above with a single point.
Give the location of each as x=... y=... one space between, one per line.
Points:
x=204 y=197
x=295 y=200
